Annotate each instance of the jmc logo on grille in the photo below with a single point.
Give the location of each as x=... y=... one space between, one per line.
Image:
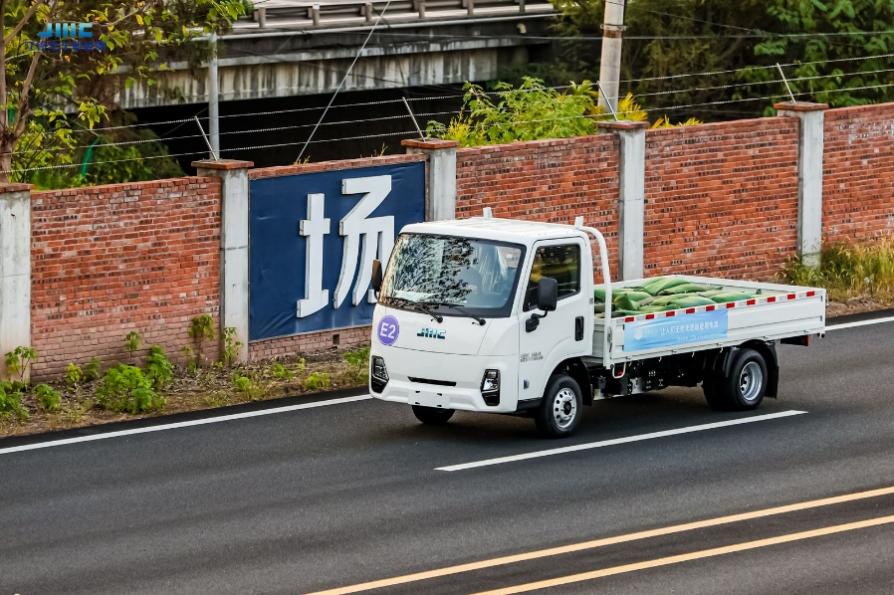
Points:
x=432 y=333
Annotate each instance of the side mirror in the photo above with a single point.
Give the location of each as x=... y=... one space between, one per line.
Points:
x=547 y=298
x=547 y=294
x=377 y=276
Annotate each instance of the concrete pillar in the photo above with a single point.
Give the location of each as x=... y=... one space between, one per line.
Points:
x=631 y=199
x=233 y=176
x=15 y=270
x=810 y=176
x=440 y=183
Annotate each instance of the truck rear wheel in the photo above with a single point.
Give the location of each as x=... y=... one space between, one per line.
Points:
x=561 y=410
x=745 y=386
x=432 y=416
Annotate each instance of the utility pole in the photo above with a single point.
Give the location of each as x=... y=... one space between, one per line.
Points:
x=610 y=64
x=213 y=92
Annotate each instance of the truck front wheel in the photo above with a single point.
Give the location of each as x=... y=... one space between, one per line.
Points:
x=745 y=386
x=561 y=410
x=432 y=415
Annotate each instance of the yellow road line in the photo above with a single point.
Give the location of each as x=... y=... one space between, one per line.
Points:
x=606 y=541
x=717 y=551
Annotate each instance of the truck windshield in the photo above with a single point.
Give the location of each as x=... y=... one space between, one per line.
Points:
x=452 y=276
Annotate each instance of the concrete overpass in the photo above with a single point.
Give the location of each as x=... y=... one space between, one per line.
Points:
x=289 y=48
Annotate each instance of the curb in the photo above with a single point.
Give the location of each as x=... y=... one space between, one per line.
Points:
x=160 y=420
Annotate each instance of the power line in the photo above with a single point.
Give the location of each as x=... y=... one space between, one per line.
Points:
x=238 y=132
x=344 y=78
x=414 y=132
x=460 y=96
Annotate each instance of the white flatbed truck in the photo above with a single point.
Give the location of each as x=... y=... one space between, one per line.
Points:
x=469 y=318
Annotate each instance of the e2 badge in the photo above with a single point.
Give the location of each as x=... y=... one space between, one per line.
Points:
x=388 y=330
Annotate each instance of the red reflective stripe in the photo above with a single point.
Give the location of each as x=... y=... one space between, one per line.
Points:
x=791 y=296
x=751 y=302
x=710 y=308
x=629 y=319
x=650 y=316
x=690 y=310
x=731 y=304
x=771 y=299
x=811 y=293
x=669 y=314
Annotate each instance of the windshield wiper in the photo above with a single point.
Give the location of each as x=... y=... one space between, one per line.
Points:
x=421 y=307
x=461 y=309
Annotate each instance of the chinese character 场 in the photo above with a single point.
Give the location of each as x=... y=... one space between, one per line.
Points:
x=370 y=237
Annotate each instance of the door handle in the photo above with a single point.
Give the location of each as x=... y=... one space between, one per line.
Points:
x=579 y=328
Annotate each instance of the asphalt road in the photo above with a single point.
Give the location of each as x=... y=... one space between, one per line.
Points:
x=332 y=496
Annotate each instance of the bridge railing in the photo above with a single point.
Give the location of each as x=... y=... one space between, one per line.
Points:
x=340 y=13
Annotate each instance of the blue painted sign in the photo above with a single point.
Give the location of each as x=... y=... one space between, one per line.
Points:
x=677 y=330
x=388 y=330
x=313 y=240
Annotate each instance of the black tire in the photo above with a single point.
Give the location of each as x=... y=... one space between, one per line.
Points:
x=744 y=388
x=561 y=409
x=432 y=416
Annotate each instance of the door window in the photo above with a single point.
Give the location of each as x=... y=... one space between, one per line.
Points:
x=562 y=263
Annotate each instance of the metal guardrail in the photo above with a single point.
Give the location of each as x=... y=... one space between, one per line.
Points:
x=338 y=13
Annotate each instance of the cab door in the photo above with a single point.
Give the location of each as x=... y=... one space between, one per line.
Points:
x=560 y=334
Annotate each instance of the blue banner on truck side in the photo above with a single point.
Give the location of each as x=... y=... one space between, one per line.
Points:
x=313 y=239
x=677 y=330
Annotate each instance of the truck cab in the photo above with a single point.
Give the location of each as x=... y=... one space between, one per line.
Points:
x=462 y=313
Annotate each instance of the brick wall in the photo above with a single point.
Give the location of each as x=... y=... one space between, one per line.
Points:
x=318 y=342
x=554 y=181
x=858 y=173
x=722 y=199
x=110 y=259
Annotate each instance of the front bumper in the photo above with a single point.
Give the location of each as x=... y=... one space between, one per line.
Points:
x=444 y=380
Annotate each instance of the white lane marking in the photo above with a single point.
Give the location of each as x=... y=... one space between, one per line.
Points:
x=837 y=327
x=638 y=438
x=182 y=424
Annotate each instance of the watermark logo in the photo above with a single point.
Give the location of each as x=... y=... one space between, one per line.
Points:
x=68 y=37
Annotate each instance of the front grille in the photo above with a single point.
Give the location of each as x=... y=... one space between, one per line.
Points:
x=430 y=381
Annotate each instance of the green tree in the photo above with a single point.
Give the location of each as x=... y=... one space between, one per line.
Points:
x=529 y=111
x=668 y=38
x=47 y=93
x=828 y=36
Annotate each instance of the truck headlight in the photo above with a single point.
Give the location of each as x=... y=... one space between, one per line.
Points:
x=490 y=387
x=378 y=373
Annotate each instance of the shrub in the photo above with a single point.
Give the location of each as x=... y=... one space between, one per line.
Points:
x=11 y=401
x=247 y=386
x=317 y=381
x=231 y=346
x=92 y=370
x=18 y=360
x=358 y=359
x=48 y=397
x=159 y=369
x=126 y=388
x=201 y=329
x=133 y=341
x=73 y=374
x=849 y=271
x=281 y=372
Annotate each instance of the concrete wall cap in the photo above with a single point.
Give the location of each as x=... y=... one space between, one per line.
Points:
x=800 y=106
x=223 y=164
x=14 y=187
x=432 y=144
x=622 y=125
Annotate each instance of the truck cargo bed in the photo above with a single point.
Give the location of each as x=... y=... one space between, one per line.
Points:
x=775 y=312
